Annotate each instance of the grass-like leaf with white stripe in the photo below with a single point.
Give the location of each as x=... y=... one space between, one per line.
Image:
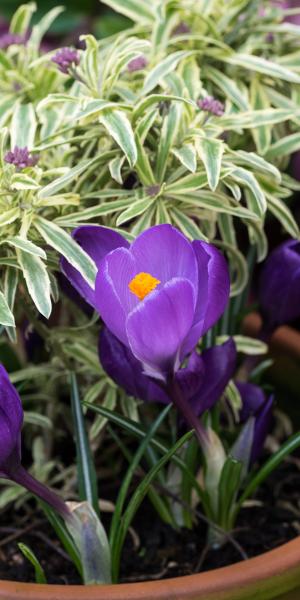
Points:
x=37 y=281
x=120 y=129
x=211 y=152
x=6 y=316
x=58 y=239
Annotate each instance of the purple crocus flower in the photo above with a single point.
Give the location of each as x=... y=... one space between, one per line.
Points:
x=8 y=39
x=255 y=406
x=279 y=285
x=201 y=382
x=21 y=158
x=158 y=295
x=11 y=421
x=137 y=64
x=211 y=105
x=65 y=58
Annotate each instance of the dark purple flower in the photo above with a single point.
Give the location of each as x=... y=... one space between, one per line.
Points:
x=279 y=285
x=11 y=421
x=211 y=105
x=66 y=58
x=255 y=405
x=21 y=158
x=158 y=296
x=8 y=39
x=201 y=382
x=137 y=64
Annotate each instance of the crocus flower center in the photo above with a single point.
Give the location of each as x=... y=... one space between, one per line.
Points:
x=142 y=284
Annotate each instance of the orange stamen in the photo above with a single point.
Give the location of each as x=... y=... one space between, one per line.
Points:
x=142 y=284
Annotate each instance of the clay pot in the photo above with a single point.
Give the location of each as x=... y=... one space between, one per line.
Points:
x=274 y=575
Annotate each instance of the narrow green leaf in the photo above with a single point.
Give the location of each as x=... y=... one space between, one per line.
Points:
x=87 y=478
x=137 y=498
x=272 y=463
x=40 y=576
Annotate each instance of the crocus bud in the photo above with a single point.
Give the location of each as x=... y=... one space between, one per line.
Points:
x=257 y=413
x=279 y=286
x=11 y=421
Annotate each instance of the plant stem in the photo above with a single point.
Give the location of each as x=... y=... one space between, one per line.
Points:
x=23 y=478
x=174 y=392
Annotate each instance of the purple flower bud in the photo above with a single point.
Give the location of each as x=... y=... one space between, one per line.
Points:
x=181 y=29
x=21 y=158
x=137 y=64
x=8 y=39
x=255 y=405
x=66 y=58
x=211 y=105
x=279 y=285
x=11 y=421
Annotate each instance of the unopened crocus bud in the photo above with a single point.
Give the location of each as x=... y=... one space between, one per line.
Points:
x=137 y=64
x=211 y=105
x=279 y=285
x=257 y=412
x=65 y=58
x=20 y=158
x=11 y=421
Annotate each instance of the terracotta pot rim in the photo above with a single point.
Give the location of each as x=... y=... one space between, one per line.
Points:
x=279 y=566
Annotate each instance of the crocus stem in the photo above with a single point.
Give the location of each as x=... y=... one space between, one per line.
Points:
x=174 y=392
x=23 y=478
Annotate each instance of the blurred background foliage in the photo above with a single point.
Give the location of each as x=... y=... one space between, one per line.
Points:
x=80 y=16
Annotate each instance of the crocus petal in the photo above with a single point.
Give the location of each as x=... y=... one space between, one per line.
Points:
x=218 y=283
x=213 y=292
x=253 y=399
x=279 y=289
x=262 y=426
x=219 y=364
x=113 y=298
x=97 y=242
x=191 y=377
x=157 y=326
x=11 y=416
x=120 y=364
x=165 y=253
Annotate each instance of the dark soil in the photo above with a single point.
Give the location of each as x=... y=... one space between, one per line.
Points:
x=154 y=550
